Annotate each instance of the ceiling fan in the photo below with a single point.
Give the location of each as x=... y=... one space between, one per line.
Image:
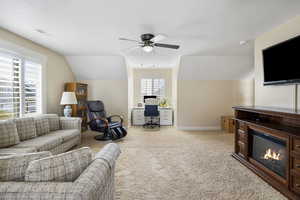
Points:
x=149 y=41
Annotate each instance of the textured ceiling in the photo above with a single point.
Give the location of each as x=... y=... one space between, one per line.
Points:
x=92 y=27
x=88 y=31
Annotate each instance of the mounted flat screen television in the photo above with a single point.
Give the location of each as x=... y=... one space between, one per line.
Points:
x=282 y=63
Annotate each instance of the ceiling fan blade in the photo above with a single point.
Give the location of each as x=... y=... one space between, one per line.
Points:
x=171 y=46
x=130 y=40
x=158 y=38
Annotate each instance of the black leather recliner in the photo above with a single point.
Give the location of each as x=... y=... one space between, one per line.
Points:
x=98 y=121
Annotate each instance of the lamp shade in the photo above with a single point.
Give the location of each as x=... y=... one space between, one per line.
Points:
x=68 y=98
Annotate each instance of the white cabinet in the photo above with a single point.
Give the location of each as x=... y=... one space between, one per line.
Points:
x=138 y=118
x=166 y=116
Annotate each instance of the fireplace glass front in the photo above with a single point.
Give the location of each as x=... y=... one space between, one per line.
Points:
x=270 y=152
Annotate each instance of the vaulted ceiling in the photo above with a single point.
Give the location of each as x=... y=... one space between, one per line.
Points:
x=92 y=27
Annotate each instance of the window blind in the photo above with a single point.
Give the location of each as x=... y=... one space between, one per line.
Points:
x=153 y=87
x=20 y=86
x=146 y=86
x=158 y=87
x=10 y=83
x=32 y=87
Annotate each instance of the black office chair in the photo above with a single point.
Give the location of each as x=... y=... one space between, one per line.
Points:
x=151 y=111
x=98 y=121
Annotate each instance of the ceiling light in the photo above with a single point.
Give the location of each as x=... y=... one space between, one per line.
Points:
x=147 y=48
x=243 y=42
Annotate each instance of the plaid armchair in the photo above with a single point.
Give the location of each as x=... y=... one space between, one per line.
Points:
x=96 y=182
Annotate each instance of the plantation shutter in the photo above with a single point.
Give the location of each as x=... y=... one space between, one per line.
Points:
x=153 y=87
x=32 y=87
x=146 y=86
x=10 y=85
x=158 y=87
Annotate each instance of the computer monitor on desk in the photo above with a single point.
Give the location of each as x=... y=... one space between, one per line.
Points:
x=149 y=97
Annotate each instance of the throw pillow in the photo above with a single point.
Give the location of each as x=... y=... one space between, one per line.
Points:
x=13 y=167
x=64 y=167
x=26 y=128
x=42 y=126
x=8 y=133
x=53 y=121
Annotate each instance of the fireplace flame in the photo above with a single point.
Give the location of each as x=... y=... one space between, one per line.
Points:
x=271 y=155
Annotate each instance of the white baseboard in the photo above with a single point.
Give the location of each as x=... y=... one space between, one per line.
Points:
x=199 y=128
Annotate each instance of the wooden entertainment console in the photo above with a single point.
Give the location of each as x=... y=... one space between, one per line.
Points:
x=280 y=125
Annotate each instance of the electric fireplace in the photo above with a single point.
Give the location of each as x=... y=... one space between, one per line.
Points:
x=267 y=141
x=269 y=151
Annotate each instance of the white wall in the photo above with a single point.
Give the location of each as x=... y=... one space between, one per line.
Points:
x=175 y=71
x=98 y=67
x=113 y=93
x=215 y=67
x=107 y=80
x=130 y=91
x=277 y=96
x=209 y=86
x=57 y=73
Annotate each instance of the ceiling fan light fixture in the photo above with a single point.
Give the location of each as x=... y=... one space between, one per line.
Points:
x=148 y=48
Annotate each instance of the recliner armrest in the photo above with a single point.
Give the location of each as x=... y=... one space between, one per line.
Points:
x=105 y=121
x=118 y=116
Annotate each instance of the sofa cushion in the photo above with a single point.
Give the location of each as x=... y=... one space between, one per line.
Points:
x=66 y=135
x=8 y=133
x=26 y=128
x=41 y=143
x=53 y=120
x=63 y=167
x=42 y=126
x=12 y=150
x=13 y=167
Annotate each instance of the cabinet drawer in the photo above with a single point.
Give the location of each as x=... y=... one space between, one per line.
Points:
x=242 y=148
x=165 y=122
x=295 y=164
x=138 y=112
x=165 y=116
x=295 y=184
x=140 y=115
x=296 y=145
x=138 y=122
x=242 y=126
x=165 y=113
x=242 y=136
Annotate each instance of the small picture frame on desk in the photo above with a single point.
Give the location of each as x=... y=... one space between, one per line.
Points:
x=140 y=105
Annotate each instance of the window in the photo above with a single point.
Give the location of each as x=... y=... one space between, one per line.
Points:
x=20 y=86
x=32 y=89
x=153 y=87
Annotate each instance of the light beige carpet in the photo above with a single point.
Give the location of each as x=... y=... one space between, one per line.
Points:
x=176 y=165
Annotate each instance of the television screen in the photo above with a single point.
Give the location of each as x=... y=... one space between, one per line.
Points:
x=282 y=63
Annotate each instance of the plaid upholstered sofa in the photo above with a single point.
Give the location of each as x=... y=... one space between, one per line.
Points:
x=46 y=132
x=88 y=177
